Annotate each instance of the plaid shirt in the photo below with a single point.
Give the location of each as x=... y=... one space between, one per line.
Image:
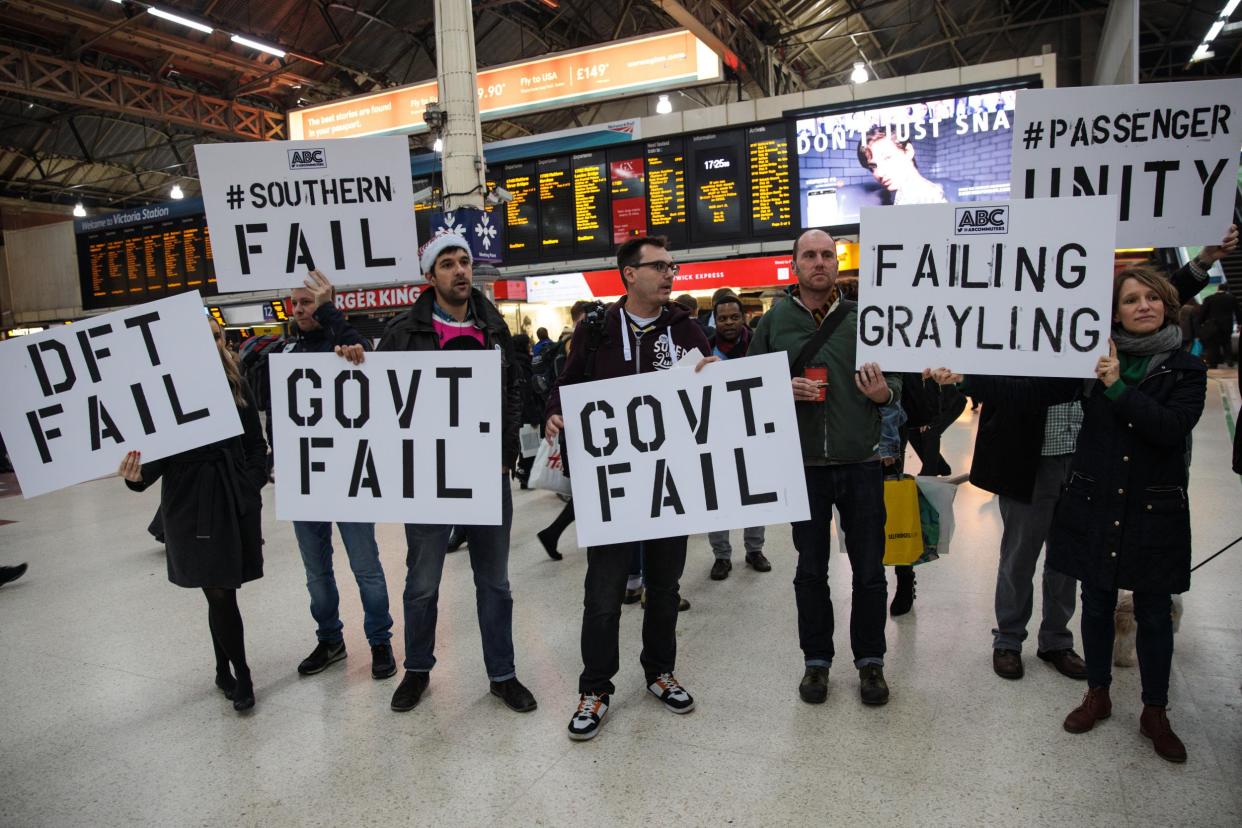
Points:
x=1061 y=429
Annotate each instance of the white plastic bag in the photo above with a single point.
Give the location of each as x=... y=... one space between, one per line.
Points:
x=529 y=438
x=546 y=473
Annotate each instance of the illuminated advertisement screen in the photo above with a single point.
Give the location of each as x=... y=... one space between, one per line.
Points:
x=627 y=184
x=927 y=151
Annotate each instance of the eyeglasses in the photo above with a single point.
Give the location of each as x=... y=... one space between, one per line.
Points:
x=660 y=267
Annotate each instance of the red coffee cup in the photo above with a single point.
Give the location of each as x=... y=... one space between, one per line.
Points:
x=818 y=375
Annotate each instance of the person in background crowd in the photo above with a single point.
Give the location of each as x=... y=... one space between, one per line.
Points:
x=321 y=328
x=1216 y=320
x=532 y=401
x=8 y=574
x=891 y=162
x=839 y=427
x=730 y=341
x=1188 y=321
x=643 y=332
x=541 y=341
x=210 y=503
x=691 y=304
x=454 y=315
x=1123 y=519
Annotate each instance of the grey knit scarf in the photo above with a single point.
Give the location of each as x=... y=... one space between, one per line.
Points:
x=1168 y=338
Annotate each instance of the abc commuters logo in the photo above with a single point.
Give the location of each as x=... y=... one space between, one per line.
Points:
x=974 y=220
x=307 y=159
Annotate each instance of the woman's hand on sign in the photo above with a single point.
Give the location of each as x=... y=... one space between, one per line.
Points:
x=354 y=354
x=552 y=428
x=1108 y=368
x=870 y=381
x=942 y=376
x=806 y=390
x=319 y=286
x=1215 y=252
x=705 y=361
x=131 y=467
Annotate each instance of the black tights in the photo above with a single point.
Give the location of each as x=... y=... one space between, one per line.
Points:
x=226 y=631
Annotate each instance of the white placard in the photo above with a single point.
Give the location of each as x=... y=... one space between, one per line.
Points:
x=1169 y=151
x=411 y=437
x=78 y=397
x=677 y=452
x=1021 y=288
x=276 y=209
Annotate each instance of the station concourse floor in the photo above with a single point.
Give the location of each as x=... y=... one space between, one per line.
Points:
x=110 y=716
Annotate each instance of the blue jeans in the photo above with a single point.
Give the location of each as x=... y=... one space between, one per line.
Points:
x=315 y=544
x=489 y=559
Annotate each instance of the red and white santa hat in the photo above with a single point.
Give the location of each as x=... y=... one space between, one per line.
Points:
x=438 y=244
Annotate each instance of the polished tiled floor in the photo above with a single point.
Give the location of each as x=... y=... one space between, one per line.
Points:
x=110 y=717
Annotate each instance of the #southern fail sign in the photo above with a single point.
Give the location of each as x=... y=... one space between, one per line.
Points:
x=78 y=397
x=277 y=209
x=677 y=452
x=1019 y=288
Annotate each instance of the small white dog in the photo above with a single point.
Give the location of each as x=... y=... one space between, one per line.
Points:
x=1124 y=652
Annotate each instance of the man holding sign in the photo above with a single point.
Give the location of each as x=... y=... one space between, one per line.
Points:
x=839 y=422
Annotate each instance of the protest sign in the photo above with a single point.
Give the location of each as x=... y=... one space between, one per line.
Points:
x=146 y=378
x=277 y=209
x=1168 y=151
x=677 y=452
x=1021 y=288
x=410 y=437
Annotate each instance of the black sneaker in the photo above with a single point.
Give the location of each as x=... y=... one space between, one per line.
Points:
x=872 y=687
x=758 y=562
x=588 y=717
x=667 y=689
x=514 y=695
x=721 y=569
x=814 y=685
x=410 y=691
x=324 y=654
x=11 y=573
x=383 y=665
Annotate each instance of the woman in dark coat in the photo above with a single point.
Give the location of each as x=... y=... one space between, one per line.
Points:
x=210 y=505
x=532 y=401
x=1123 y=520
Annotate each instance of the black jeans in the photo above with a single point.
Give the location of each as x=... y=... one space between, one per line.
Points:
x=1153 y=615
x=608 y=567
x=857 y=490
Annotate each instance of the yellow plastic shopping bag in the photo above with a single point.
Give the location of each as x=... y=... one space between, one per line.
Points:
x=903 y=530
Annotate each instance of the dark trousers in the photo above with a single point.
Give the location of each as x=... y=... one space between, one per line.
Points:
x=857 y=490
x=1153 y=615
x=607 y=570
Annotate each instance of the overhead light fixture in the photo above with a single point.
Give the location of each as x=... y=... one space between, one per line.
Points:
x=1229 y=8
x=859 y=75
x=1202 y=53
x=664 y=106
x=79 y=210
x=175 y=192
x=176 y=18
x=254 y=44
x=1214 y=31
x=438 y=146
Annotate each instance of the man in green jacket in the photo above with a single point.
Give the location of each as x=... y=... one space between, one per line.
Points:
x=839 y=425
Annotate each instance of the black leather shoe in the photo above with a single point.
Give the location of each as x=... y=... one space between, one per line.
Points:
x=514 y=695
x=226 y=684
x=903 y=596
x=324 y=654
x=1007 y=664
x=758 y=562
x=243 y=695
x=549 y=545
x=11 y=573
x=410 y=691
x=1067 y=662
x=383 y=665
x=814 y=686
x=457 y=539
x=872 y=687
x=720 y=569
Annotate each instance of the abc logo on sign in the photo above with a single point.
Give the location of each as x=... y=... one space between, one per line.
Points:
x=974 y=220
x=307 y=159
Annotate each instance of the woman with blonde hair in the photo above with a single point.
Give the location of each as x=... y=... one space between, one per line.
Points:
x=210 y=508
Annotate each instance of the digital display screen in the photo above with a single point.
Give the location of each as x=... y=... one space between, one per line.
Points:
x=591 y=185
x=771 y=209
x=556 y=205
x=718 y=184
x=919 y=152
x=666 y=190
x=522 y=213
x=628 y=190
x=131 y=265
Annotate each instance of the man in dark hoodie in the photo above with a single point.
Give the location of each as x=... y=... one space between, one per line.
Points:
x=454 y=315
x=642 y=332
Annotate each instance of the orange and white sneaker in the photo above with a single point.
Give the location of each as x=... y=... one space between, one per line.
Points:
x=668 y=690
x=588 y=717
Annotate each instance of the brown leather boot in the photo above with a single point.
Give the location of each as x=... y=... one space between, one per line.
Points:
x=1096 y=706
x=1154 y=724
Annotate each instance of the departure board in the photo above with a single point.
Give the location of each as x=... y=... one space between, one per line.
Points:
x=522 y=213
x=771 y=210
x=591 y=203
x=666 y=190
x=627 y=186
x=718 y=187
x=141 y=262
x=556 y=206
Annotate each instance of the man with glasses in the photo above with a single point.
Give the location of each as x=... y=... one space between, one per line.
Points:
x=643 y=332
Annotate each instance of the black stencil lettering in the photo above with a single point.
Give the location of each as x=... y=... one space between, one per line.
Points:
x=36 y=429
x=871 y=334
x=367 y=259
x=698 y=421
x=442 y=487
x=338 y=245
x=364 y=399
x=1161 y=169
x=407 y=469
x=181 y=417
x=306 y=465
x=880 y=264
x=1079 y=271
x=453 y=375
x=743 y=486
x=143 y=322
x=99 y=416
x=927 y=267
x=1035 y=271
x=144 y=410
x=744 y=387
x=291 y=396
x=89 y=352
x=299 y=251
x=244 y=249
x=664 y=482
x=605 y=493
x=709 y=481
x=36 y=359
x=588 y=433
x=657 y=416
x=1083 y=185
x=979 y=343
x=929 y=330
x=1054 y=335
x=1127 y=172
x=959 y=322
x=403 y=402
x=895 y=327
x=364 y=462
x=1208 y=180
x=1091 y=337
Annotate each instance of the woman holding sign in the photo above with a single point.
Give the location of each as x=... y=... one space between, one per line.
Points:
x=210 y=505
x=1123 y=519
